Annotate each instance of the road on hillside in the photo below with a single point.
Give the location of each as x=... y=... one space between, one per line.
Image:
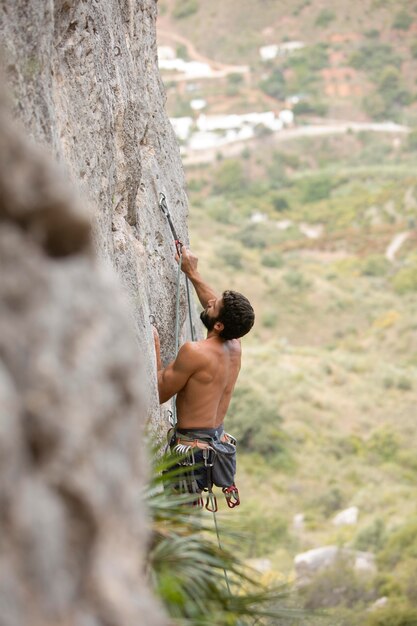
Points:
x=196 y=56
x=196 y=157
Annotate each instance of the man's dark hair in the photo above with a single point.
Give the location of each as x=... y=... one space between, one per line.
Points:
x=237 y=315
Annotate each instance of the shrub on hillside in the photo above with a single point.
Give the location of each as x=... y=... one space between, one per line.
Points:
x=391 y=89
x=276 y=171
x=375 y=265
x=383 y=444
x=337 y=585
x=254 y=419
x=184 y=8
x=231 y=255
x=229 y=178
x=412 y=140
x=389 y=97
x=182 y=52
x=269 y=319
x=235 y=79
x=395 y=614
x=311 y=59
x=372 y=538
x=373 y=57
x=220 y=210
x=402 y=20
x=413 y=49
x=279 y=203
x=372 y=33
x=274 y=85
x=315 y=188
x=272 y=259
x=265 y=531
x=306 y=65
x=405 y=279
x=296 y=280
x=332 y=500
x=401 y=543
x=257 y=236
x=310 y=107
x=374 y=106
x=404 y=383
x=325 y=17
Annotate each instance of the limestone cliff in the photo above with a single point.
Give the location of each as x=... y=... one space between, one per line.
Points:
x=86 y=83
x=76 y=355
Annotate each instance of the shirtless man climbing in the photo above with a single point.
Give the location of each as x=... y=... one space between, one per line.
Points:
x=205 y=372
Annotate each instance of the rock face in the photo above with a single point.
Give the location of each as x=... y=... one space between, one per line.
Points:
x=85 y=82
x=76 y=350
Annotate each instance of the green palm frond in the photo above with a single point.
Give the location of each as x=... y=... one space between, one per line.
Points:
x=199 y=582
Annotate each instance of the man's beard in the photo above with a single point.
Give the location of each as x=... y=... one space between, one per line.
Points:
x=208 y=321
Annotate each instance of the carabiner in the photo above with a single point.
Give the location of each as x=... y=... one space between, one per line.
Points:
x=209 y=457
x=163 y=204
x=211 y=504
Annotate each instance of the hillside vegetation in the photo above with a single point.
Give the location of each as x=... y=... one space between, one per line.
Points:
x=321 y=235
x=359 y=59
x=325 y=406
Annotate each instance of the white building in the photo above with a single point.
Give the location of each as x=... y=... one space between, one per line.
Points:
x=182 y=126
x=214 y=131
x=268 y=53
x=287 y=117
x=225 y=122
x=166 y=53
x=198 y=104
x=204 y=140
x=191 y=69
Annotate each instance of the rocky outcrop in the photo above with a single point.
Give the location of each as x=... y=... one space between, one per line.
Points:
x=77 y=378
x=309 y=564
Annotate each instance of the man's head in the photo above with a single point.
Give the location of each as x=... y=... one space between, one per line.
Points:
x=232 y=315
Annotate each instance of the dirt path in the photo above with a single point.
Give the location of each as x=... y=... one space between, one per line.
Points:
x=196 y=56
x=395 y=245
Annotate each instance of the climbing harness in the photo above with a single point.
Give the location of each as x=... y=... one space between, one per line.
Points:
x=218 y=460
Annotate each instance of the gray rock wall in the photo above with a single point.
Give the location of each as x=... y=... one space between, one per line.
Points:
x=85 y=82
x=77 y=372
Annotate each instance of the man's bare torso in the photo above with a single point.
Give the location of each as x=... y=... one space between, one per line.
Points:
x=204 y=400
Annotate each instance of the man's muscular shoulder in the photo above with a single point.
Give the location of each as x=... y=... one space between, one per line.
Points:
x=234 y=345
x=193 y=352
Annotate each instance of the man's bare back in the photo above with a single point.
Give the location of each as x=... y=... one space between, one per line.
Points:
x=204 y=400
x=205 y=372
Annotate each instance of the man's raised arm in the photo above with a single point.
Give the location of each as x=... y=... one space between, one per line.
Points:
x=189 y=267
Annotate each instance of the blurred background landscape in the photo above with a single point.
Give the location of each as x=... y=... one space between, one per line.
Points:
x=297 y=122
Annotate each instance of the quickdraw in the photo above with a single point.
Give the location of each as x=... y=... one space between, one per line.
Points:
x=164 y=208
x=232 y=496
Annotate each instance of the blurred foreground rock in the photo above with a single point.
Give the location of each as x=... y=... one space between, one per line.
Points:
x=72 y=525
x=77 y=370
